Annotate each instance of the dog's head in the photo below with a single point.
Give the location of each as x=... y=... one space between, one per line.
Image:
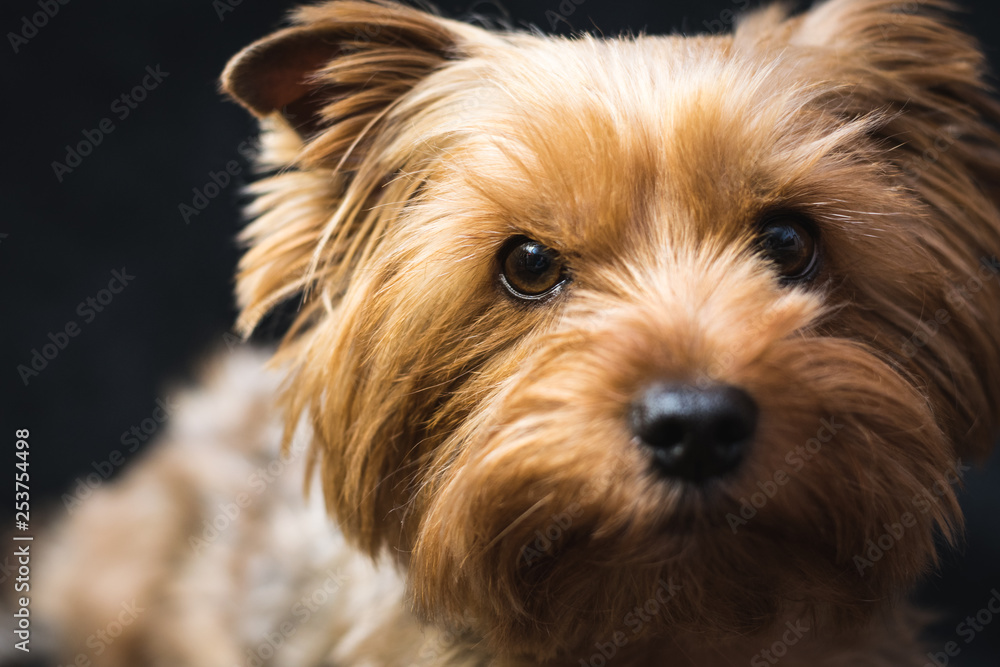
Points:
x=584 y=321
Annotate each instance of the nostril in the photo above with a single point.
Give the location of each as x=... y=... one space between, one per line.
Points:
x=694 y=433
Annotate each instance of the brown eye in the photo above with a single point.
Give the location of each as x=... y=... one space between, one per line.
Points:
x=530 y=270
x=791 y=245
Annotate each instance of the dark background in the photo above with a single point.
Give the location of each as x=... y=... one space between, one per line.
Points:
x=61 y=240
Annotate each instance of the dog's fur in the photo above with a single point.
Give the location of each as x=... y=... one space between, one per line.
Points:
x=451 y=427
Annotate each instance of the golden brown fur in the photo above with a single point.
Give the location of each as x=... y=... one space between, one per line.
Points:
x=450 y=424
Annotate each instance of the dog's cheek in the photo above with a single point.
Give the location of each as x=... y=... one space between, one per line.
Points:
x=512 y=525
x=850 y=480
x=934 y=323
x=422 y=338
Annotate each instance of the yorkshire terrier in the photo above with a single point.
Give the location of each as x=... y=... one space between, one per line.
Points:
x=643 y=351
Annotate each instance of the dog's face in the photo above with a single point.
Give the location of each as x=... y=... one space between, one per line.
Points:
x=586 y=321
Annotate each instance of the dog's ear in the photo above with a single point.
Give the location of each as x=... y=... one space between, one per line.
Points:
x=909 y=61
x=336 y=49
x=342 y=78
x=887 y=56
x=899 y=49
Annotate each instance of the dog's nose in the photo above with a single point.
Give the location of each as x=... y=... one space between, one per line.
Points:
x=695 y=433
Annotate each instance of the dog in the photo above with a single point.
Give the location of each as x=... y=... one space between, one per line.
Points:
x=634 y=351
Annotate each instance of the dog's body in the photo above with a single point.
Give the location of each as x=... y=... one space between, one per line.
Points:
x=241 y=569
x=607 y=350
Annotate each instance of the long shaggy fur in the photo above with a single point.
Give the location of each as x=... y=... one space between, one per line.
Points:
x=452 y=427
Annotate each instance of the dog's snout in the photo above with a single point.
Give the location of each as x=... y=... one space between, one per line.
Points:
x=695 y=433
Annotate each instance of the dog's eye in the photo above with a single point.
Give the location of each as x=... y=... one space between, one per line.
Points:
x=530 y=270
x=791 y=244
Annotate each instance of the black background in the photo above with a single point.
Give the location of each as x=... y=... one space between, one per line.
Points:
x=120 y=208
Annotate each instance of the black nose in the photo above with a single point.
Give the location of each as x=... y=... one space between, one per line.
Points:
x=695 y=433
